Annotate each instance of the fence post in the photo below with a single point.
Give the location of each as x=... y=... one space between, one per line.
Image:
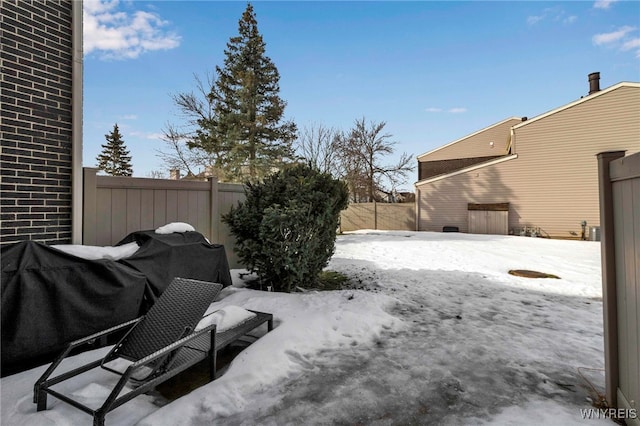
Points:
x=609 y=291
x=375 y=214
x=214 y=224
x=416 y=206
x=89 y=205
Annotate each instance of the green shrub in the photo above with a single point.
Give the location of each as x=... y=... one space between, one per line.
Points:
x=285 y=230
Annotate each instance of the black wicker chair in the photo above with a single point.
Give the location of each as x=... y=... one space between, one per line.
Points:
x=158 y=346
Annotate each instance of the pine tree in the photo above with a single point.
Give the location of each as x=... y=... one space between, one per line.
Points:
x=114 y=158
x=248 y=109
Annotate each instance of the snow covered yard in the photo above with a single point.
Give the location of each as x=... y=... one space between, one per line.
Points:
x=435 y=331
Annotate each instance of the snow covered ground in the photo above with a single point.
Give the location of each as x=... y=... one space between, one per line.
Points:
x=435 y=331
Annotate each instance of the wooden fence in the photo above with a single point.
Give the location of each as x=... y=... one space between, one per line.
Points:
x=620 y=232
x=113 y=207
x=384 y=216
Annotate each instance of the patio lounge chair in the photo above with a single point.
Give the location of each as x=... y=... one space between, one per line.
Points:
x=156 y=347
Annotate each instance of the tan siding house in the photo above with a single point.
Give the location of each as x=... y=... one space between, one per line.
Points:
x=484 y=145
x=549 y=178
x=477 y=144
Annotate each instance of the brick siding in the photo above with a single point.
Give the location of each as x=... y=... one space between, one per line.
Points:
x=35 y=157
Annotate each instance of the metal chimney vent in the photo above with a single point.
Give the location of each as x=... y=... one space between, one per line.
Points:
x=594 y=82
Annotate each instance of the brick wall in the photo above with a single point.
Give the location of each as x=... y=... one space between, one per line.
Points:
x=35 y=156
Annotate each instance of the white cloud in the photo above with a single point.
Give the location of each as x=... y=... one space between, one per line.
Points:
x=603 y=4
x=634 y=43
x=532 y=20
x=450 y=110
x=554 y=14
x=129 y=117
x=146 y=135
x=155 y=136
x=620 y=39
x=121 y=35
x=612 y=37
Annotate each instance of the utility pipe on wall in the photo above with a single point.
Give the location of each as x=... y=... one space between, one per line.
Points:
x=76 y=123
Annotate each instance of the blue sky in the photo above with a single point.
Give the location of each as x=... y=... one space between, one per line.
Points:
x=433 y=71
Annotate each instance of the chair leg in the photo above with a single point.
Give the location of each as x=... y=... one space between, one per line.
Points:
x=98 y=418
x=41 y=400
x=212 y=365
x=213 y=355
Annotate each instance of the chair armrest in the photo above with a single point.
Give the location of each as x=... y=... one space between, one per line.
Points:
x=43 y=379
x=103 y=333
x=169 y=348
x=152 y=357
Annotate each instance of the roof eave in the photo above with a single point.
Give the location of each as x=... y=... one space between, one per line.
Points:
x=467 y=169
x=577 y=102
x=467 y=136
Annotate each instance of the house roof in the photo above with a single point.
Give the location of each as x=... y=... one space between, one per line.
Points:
x=539 y=117
x=468 y=136
x=515 y=127
x=577 y=102
x=468 y=169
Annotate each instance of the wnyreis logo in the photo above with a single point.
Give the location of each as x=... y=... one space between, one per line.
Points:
x=609 y=413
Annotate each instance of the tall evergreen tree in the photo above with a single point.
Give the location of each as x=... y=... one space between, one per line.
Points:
x=114 y=158
x=248 y=111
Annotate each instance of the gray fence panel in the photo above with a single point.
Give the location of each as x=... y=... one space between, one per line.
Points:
x=620 y=216
x=229 y=195
x=383 y=216
x=626 y=207
x=116 y=206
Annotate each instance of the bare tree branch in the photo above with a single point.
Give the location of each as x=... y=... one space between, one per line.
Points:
x=177 y=155
x=194 y=147
x=197 y=106
x=362 y=152
x=315 y=144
